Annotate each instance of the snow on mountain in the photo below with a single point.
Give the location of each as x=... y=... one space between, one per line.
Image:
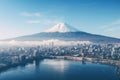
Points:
x=62 y=27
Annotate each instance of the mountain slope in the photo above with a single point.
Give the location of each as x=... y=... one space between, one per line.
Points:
x=68 y=36
x=65 y=32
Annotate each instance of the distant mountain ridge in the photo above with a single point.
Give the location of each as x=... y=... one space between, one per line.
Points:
x=67 y=33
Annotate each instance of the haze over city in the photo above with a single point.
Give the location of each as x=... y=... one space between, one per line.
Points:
x=23 y=17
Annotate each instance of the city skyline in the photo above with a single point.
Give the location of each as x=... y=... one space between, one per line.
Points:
x=25 y=17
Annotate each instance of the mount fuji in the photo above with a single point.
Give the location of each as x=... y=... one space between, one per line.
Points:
x=65 y=32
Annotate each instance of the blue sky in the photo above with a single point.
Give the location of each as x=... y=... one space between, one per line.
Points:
x=23 y=17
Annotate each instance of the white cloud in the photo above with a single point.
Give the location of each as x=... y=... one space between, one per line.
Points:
x=50 y=21
x=113 y=24
x=28 y=14
x=38 y=14
x=42 y=18
x=25 y=14
x=112 y=29
x=44 y=21
x=116 y=22
x=33 y=21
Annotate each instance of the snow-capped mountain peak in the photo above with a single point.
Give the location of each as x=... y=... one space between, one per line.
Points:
x=62 y=27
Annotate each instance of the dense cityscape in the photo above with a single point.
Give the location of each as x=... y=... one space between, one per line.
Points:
x=13 y=56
